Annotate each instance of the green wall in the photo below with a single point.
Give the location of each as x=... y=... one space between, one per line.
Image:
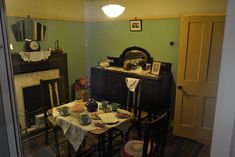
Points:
x=111 y=38
x=87 y=43
x=71 y=37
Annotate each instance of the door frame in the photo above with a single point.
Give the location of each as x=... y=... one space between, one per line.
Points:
x=9 y=128
x=219 y=145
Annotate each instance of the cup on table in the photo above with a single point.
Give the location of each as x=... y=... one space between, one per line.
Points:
x=104 y=104
x=64 y=110
x=84 y=117
x=114 y=106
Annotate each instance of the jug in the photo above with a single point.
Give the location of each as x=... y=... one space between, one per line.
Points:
x=92 y=105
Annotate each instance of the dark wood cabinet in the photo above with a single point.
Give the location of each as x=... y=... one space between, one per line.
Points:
x=110 y=85
x=115 y=84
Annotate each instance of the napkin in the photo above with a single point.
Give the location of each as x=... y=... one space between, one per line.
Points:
x=131 y=83
x=108 y=118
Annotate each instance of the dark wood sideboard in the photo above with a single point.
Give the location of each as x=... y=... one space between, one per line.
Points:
x=110 y=85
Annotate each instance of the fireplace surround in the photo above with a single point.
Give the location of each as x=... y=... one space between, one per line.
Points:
x=27 y=75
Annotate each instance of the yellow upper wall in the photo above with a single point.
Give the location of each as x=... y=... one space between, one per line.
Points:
x=49 y=9
x=156 y=8
x=90 y=10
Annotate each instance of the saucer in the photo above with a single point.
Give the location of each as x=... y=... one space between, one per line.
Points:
x=85 y=123
x=65 y=115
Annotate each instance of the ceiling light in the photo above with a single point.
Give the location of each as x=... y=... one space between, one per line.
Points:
x=113 y=10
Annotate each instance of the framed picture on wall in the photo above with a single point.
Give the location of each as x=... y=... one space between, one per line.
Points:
x=156 y=68
x=135 y=25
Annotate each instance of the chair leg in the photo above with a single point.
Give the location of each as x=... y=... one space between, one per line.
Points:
x=56 y=142
x=164 y=132
x=163 y=143
x=46 y=134
x=138 y=126
x=68 y=145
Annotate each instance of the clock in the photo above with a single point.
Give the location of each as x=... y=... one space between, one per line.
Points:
x=32 y=45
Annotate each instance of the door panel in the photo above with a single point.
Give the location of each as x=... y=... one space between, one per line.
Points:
x=208 y=112
x=194 y=50
x=198 y=69
x=215 y=52
x=188 y=111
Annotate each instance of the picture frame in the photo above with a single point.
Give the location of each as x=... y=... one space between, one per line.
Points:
x=156 y=68
x=135 y=25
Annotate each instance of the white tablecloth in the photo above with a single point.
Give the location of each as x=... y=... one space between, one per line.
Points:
x=74 y=131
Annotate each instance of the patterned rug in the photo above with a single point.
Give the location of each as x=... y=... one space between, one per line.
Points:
x=184 y=147
x=34 y=146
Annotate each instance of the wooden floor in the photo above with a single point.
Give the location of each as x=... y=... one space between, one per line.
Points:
x=207 y=151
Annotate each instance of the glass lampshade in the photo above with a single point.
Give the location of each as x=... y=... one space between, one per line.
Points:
x=113 y=10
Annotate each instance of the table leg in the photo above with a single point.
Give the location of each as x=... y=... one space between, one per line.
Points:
x=101 y=145
x=110 y=144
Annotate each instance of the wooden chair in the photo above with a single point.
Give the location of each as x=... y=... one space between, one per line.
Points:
x=53 y=95
x=79 y=89
x=155 y=135
x=133 y=105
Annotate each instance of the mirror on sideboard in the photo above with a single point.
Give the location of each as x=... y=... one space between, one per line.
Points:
x=28 y=29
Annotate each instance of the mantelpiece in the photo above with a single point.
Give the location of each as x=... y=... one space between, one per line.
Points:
x=57 y=60
x=28 y=74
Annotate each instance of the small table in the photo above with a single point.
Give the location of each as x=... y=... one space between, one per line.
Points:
x=75 y=132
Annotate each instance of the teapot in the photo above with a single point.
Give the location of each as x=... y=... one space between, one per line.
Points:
x=92 y=105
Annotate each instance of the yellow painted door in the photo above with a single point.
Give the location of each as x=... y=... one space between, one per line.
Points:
x=197 y=78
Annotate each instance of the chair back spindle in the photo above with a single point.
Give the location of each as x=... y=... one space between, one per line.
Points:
x=53 y=93
x=133 y=101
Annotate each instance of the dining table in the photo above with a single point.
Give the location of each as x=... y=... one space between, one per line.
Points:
x=75 y=130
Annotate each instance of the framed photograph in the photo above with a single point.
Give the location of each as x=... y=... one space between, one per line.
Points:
x=135 y=25
x=156 y=68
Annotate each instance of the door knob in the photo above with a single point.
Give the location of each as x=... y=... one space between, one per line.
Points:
x=180 y=87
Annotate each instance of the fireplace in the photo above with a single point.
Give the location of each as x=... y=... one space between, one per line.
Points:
x=27 y=77
x=29 y=80
x=32 y=104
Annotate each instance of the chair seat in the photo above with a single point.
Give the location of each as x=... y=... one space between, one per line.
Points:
x=144 y=114
x=51 y=120
x=133 y=148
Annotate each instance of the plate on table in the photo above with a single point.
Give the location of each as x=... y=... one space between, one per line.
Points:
x=95 y=117
x=108 y=118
